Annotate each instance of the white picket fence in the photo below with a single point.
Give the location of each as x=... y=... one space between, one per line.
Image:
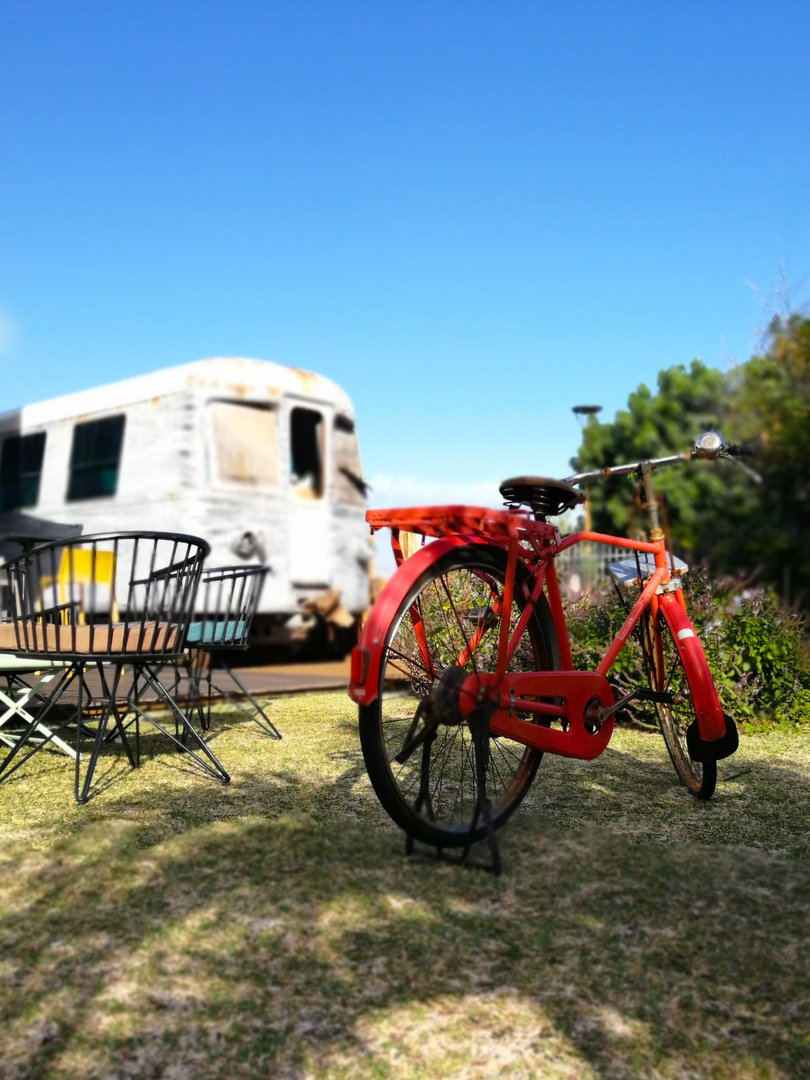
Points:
x=586 y=565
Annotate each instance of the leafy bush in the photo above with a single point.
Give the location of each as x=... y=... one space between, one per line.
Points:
x=756 y=650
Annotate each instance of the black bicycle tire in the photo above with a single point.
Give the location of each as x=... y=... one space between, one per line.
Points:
x=372 y=737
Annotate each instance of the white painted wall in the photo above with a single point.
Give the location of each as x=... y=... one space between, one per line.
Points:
x=167 y=476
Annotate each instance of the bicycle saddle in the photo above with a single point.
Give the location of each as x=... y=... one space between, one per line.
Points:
x=545 y=497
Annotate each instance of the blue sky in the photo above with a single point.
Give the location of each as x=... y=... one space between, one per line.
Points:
x=470 y=215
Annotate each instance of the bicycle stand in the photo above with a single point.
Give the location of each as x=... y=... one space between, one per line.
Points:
x=478 y=723
x=439 y=854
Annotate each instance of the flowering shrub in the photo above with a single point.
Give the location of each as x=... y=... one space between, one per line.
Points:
x=756 y=650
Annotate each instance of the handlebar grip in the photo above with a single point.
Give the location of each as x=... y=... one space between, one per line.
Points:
x=740 y=451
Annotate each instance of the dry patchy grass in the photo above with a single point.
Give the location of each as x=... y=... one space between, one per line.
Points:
x=174 y=928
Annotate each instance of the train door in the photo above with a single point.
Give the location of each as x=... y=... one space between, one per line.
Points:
x=309 y=508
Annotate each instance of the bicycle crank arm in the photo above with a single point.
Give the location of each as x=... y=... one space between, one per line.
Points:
x=641 y=693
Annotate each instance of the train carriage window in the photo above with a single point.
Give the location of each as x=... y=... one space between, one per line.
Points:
x=306 y=453
x=350 y=489
x=20 y=470
x=94 y=458
x=245 y=442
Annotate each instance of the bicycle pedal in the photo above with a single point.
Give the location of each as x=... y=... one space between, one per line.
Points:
x=482 y=616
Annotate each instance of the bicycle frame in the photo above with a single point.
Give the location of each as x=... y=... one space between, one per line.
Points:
x=537 y=545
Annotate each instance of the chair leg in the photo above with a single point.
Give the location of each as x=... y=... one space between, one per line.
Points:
x=110 y=710
x=11 y=762
x=202 y=756
x=125 y=724
x=19 y=706
x=195 y=668
x=258 y=716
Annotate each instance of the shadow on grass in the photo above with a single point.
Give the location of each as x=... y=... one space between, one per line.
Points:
x=237 y=936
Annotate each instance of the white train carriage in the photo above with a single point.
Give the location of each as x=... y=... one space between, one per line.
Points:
x=259 y=459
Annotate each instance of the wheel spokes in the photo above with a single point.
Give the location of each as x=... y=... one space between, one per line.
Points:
x=430 y=761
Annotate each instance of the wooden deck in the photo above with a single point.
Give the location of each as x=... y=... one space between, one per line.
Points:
x=265 y=681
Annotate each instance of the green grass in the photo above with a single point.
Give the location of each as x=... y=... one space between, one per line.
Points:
x=273 y=928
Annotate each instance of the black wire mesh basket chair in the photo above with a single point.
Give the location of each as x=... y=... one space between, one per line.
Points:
x=101 y=604
x=226 y=604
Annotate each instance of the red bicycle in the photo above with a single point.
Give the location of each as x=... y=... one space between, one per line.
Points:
x=464 y=675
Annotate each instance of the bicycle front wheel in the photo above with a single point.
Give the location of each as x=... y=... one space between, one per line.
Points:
x=667 y=673
x=431 y=791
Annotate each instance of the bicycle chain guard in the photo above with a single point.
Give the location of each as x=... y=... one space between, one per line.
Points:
x=575 y=688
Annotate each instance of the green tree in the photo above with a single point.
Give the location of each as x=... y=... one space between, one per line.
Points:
x=714 y=511
x=703 y=502
x=771 y=407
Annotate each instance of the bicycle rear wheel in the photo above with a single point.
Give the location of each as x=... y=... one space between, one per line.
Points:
x=431 y=794
x=667 y=673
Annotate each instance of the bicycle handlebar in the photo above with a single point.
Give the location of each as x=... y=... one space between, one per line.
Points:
x=740 y=451
x=626 y=470
x=709 y=445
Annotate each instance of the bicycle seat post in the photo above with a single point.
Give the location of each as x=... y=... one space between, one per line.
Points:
x=656 y=533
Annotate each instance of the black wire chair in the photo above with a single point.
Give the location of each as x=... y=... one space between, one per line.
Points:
x=226 y=604
x=102 y=604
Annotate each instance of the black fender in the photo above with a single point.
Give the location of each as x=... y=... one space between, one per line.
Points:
x=703 y=750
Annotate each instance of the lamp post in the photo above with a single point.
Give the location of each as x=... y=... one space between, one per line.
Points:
x=583 y=413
